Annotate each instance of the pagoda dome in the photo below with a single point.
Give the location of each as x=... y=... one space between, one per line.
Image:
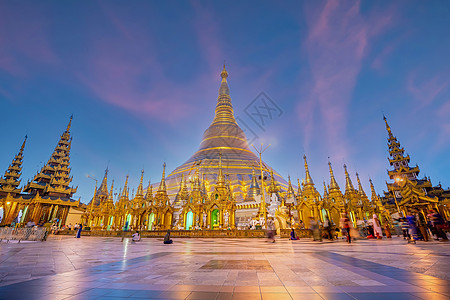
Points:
x=225 y=137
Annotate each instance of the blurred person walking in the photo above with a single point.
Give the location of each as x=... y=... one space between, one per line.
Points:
x=422 y=225
x=439 y=224
x=345 y=226
x=80 y=227
x=377 y=227
x=271 y=230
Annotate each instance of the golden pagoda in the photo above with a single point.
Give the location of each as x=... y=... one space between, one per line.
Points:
x=366 y=205
x=407 y=192
x=218 y=188
x=352 y=199
x=162 y=208
x=336 y=201
x=226 y=137
x=47 y=197
x=309 y=201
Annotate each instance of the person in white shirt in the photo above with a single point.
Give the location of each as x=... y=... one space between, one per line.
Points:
x=136 y=237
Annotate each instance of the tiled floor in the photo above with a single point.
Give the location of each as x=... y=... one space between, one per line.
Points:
x=107 y=268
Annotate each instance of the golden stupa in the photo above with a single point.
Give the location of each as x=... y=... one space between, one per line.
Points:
x=223 y=137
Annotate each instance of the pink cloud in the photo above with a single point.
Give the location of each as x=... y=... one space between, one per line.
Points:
x=22 y=37
x=426 y=89
x=130 y=76
x=338 y=39
x=207 y=35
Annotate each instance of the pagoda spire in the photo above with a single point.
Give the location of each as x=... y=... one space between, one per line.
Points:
x=273 y=188
x=372 y=189
x=308 y=179
x=196 y=186
x=11 y=180
x=348 y=181
x=360 y=188
x=325 y=191
x=54 y=177
x=125 y=188
x=224 y=114
x=221 y=177
x=140 y=189
x=149 y=193
x=70 y=124
x=398 y=160
x=224 y=90
x=333 y=183
x=376 y=201
x=299 y=189
x=254 y=189
x=290 y=191
x=254 y=183
x=364 y=199
x=162 y=184
x=204 y=191
x=103 y=189
x=111 y=194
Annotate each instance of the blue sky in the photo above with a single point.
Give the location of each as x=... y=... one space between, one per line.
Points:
x=141 y=79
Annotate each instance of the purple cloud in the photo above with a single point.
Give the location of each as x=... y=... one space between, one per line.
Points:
x=24 y=42
x=338 y=39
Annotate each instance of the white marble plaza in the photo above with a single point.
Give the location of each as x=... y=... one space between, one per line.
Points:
x=107 y=268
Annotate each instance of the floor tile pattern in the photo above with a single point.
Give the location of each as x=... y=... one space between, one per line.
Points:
x=107 y=268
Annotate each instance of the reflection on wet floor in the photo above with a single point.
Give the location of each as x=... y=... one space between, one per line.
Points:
x=96 y=268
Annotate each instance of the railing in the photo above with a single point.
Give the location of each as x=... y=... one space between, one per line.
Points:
x=23 y=234
x=173 y=233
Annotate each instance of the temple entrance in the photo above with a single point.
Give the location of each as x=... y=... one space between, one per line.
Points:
x=324 y=214
x=305 y=213
x=151 y=218
x=111 y=220
x=24 y=215
x=189 y=220
x=127 y=222
x=19 y=216
x=215 y=219
x=167 y=220
x=334 y=215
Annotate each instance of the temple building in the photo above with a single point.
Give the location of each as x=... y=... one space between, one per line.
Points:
x=407 y=192
x=222 y=186
x=48 y=197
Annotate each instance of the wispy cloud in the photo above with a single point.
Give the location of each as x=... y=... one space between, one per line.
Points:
x=24 y=39
x=337 y=41
x=130 y=76
x=426 y=89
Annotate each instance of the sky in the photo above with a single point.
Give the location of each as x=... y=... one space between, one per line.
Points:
x=141 y=80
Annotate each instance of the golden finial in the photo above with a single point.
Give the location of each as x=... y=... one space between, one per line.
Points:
x=162 y=184
x=348 y=181
x=308 y=176
x=388 y=128
x=149 y=192
x=110 y=196
x=23 y=144
x=70 y=123
x=140 y=189
x=224 y=73
x=333 y=183
x=124 y=191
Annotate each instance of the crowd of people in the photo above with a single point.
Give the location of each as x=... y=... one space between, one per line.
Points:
x=414 y=226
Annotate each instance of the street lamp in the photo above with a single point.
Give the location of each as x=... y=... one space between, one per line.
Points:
x=397 y=180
